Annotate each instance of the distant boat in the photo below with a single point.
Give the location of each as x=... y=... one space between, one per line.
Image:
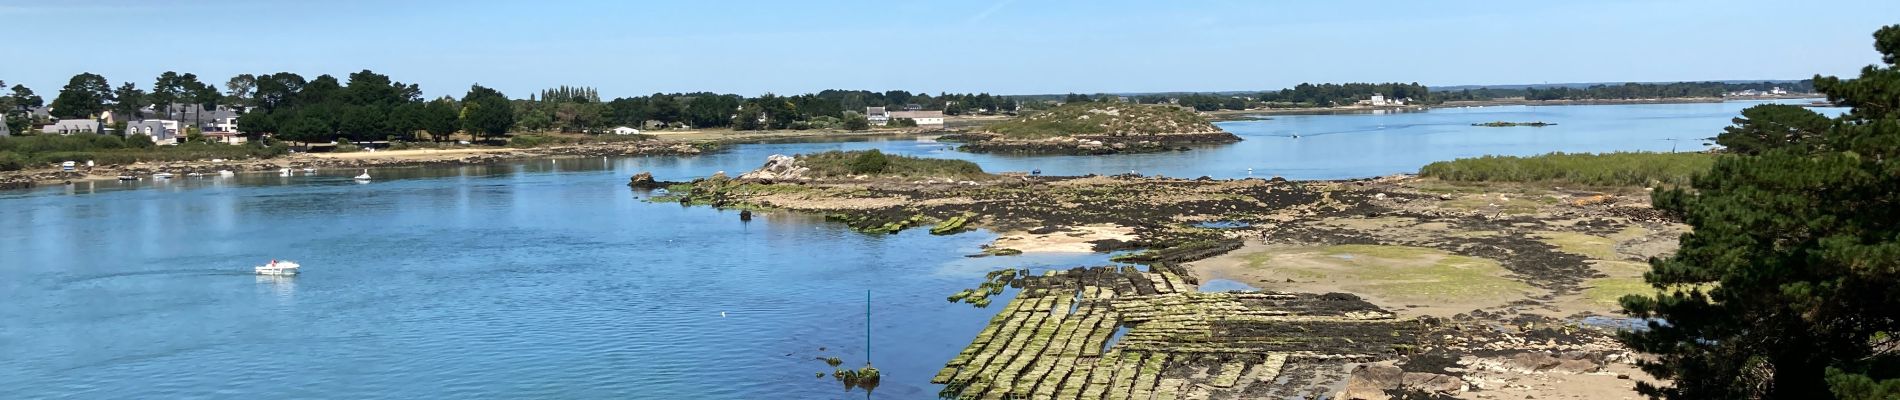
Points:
x=364 y=176
x=128 y=178
x=195 y=174
x=280 y=268
x=162 y=175
x=308 y=169
x=225 y=172
x=283 y=172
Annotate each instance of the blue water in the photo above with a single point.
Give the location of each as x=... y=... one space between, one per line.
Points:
x=1339 y=146
x=551 y=279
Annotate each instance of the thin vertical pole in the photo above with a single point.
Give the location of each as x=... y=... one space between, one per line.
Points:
x=867 y=326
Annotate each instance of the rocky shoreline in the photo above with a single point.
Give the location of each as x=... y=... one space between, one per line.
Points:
x=1563 y=251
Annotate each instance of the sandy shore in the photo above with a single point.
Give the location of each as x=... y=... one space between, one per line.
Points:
x=407 y=155
x=1080 y=239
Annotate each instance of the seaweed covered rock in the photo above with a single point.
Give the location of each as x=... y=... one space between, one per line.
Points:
x=644 y=180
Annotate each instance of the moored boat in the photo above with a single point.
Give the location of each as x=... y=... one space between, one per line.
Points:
x=276 y=267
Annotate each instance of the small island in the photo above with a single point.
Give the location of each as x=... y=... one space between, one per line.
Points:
x=1097 y=128
x=1508 y=124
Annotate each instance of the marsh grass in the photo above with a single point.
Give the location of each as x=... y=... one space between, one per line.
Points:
x=1602 y=170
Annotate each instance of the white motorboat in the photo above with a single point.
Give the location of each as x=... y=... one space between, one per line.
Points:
x=364 y=176
x=162 y=175
x=276 y=267
x=308 y=169
x=226 y=172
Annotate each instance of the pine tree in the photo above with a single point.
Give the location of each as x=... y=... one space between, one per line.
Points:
x=1789 y=285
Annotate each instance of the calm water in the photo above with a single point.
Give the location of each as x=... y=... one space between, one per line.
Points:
x=551 y=279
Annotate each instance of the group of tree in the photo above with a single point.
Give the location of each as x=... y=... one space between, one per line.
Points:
x=368 y=107
x=1336 y=94
x=1624 y=91
x=1788 y=285
x=15 y=106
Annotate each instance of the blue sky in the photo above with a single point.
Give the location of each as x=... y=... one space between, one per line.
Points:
x=1000 y=46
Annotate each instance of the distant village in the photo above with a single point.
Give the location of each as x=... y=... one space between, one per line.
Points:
x=170 y=125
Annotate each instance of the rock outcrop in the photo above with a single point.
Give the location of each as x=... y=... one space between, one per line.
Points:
x=778 y=167
x=644 y=180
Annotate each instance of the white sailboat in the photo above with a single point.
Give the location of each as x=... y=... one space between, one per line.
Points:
x=364 y=176
x=283 y=172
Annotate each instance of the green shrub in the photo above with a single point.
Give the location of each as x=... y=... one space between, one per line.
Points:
x=873 y=162
x=870 y=162
x=1609 y=169
x=10 y=161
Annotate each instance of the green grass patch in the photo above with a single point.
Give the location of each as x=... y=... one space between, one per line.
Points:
x=1400 y=272
x=1593 y=246
x=1608 y=169
x=876 y=163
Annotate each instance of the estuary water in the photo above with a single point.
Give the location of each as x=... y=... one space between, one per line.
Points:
x=551 y=279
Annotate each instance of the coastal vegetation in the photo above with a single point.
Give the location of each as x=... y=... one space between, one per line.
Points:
x=1097 y=118
x=876 y=163
x=1624 y=91
x=1798 y=237
x=1638 y=169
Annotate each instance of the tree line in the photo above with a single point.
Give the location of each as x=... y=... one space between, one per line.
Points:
x=1625 y=91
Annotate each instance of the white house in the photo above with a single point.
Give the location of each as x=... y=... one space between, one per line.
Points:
x=925 y=119
x=153 y=128
x=72 y=126
x=877 y=116
x=622 y=130
x=1378 y=100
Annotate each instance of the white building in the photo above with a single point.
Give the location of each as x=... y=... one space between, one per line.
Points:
x=877 y=116
x=1379 y=100
x=72 y=126
x=622 y=130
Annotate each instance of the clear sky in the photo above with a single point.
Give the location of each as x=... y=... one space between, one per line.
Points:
x=1000 y=46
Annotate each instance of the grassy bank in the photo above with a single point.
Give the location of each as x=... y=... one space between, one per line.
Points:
x=873 y=162
x=27 y=151
x=1609 y=169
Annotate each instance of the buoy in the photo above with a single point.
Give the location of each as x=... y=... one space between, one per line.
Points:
x=722 y=314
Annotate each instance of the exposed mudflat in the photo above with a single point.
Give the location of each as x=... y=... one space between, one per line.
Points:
x=1366 y=286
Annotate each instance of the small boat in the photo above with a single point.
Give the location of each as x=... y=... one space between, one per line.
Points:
x=128 y=178
x=364 y=176
x=225 y=172
x=162 y=175
x=277 y=268
x=308 y=169
x=283 y=172
x=195 y=174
